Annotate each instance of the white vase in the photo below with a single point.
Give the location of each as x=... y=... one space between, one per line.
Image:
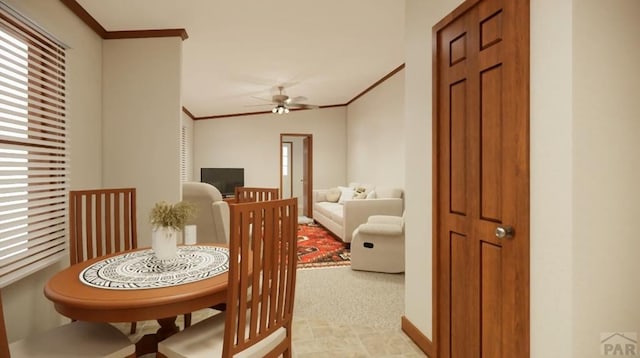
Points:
x=164 y=242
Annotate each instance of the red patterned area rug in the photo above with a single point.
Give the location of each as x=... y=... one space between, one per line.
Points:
x=317 y=247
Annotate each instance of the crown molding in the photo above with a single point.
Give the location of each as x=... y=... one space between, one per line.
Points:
x=376 y=84
x=254 y=113
x=188 y=113
x=83 y=15
x=139 y=34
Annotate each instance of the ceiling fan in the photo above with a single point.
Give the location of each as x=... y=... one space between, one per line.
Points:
x=284 y=103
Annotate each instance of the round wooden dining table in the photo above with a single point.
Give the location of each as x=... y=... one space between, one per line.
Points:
x=79 y=301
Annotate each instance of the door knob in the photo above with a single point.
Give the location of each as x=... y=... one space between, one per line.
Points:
x=503 y=232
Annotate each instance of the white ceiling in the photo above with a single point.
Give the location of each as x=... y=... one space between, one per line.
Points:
x=326 y=50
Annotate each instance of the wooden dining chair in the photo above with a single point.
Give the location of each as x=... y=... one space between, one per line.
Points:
x=260 y=295
x=75 y=339
x=101 y=222
x=245 y=194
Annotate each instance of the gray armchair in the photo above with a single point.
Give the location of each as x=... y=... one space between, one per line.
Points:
x=212 y=212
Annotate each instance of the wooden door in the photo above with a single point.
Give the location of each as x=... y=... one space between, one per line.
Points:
x=305 y=177
x=481 y=180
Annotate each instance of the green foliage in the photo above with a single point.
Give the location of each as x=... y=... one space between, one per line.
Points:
x=172 y=215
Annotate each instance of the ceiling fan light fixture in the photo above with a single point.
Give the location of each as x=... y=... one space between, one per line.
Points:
x=280 y=109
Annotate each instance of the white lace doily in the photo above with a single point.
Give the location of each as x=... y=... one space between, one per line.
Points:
x=141 y=269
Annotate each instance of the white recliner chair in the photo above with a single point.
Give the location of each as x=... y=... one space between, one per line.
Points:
x=378 y=245
x=212 y=212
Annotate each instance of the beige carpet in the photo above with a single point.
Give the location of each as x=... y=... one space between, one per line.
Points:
x=343 y=295
x=340 y=312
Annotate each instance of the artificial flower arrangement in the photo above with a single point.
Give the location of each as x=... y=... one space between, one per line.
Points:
x=173 y=216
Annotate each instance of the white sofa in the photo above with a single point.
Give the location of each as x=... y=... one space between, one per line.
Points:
x=343 y=216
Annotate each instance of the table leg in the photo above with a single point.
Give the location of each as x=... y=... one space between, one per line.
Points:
x=149 y=342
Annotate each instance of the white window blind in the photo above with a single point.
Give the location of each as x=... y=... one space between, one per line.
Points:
x=34 y=159
x=183 y=154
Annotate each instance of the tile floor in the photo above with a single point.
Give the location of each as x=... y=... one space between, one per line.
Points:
x=321 y=338
x=313 y=337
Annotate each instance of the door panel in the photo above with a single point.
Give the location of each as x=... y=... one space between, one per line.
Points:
x=491 y=303
x=481 y=176
x=491 y=145
x=458 y=148
x=464 y=303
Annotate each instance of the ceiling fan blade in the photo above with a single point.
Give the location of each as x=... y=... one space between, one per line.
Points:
x=258 y=105
x=262 y=99
x=297 y=99
x=303 y=106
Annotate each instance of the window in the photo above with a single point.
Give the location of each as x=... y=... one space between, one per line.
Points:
x=34 y=160
x=285 y=159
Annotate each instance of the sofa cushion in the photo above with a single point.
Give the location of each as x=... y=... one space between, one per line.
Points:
x=346 y=193
x=331 y=210
x=333 y=195
x=337 y=214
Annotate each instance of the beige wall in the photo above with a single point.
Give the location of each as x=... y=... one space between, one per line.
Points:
x=253 y=142
x=142 y=112
x=375 y=135
x=606 y=171
x=420 y=17
x=26 y=309
x=551 y=161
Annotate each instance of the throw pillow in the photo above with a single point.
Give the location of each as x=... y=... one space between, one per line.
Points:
x=359 y=193
x=333 y=195
x=346 y=193
x=371 y=195
x=367 y=187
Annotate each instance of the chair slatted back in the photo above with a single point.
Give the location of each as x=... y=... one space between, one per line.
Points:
x=245 y=194
x=101 y=221
x=262 y=272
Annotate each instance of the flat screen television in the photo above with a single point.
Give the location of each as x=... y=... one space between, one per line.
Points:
x=224 y=179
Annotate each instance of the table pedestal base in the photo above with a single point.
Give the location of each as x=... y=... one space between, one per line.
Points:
x=149 y=342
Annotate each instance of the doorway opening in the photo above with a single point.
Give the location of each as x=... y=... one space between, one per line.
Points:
x=296 y=169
